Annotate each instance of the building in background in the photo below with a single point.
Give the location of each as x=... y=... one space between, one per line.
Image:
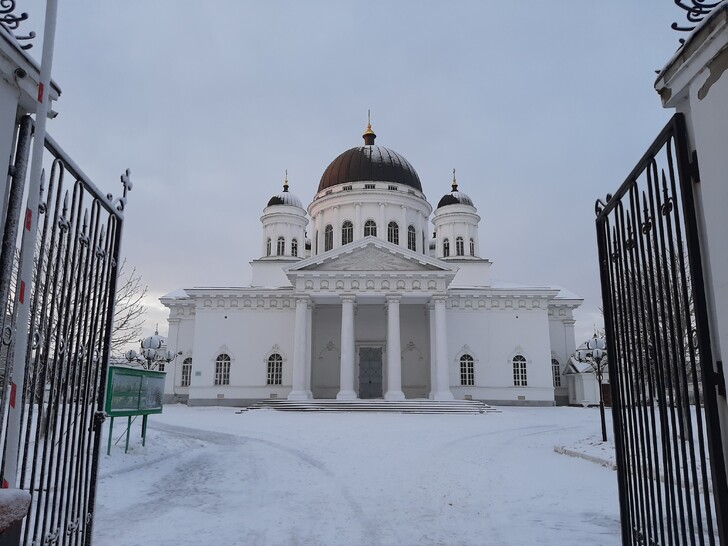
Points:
x=351 y=299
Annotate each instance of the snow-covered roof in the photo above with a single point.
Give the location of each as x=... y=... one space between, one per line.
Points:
x=178 y=294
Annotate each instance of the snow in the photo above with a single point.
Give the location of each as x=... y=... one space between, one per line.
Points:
x=215 y=476
x=14 y=504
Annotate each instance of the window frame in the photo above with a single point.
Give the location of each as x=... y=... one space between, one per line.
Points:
x=347 y=232
x=222 y=369
x=556 y=372
x=328 y=237
x=467 y=370
x=459 y=246
x=393 y=232
x=294 y=247
x=412 y=238
x=472 y=246
x=268 y=246
x=520 y=371
x=370 y=228
x=274 y=370
x=446 y=248
x=281 y=246
x=186 y=373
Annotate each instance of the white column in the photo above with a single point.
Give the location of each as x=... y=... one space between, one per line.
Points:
x=403 y=227
x=394 y=351
x=382 y=231
x=337 y=227
x=441 y=363
x=298 y=392
x=433 y=351
x=309 y=348
x=346 y=391
x=287 y=242
x=358 y=227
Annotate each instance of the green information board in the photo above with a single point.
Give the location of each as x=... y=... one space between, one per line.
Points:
x=133 y=391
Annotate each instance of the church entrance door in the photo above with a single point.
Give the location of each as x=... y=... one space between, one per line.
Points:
x=370 y=372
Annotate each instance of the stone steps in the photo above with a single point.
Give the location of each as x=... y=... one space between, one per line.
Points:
x=471 y=407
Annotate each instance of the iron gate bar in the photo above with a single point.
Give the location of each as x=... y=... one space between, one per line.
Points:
x=656 y=322
x=72 y=312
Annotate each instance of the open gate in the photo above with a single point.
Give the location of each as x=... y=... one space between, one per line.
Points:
x=671 y=474
x=51 y=433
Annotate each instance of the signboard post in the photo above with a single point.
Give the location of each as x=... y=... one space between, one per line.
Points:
x=131 y=392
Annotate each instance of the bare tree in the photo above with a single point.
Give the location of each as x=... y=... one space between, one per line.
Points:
x=129 y=310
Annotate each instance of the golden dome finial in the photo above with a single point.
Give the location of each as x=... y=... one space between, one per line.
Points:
x=454 y=181
x=369 y=135
x=285 y=182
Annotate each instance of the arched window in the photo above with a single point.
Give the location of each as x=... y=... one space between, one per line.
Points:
x=424 y=248
x=267 y=247
x=446 y=248
x=411 y=238
x=281 y=246
x=328 y=238
x=316 y=241
x=467 y=371
x=186 y=373
x=393 y=233
x=222 y=369
x=556 y=370
x=519 y=371
x=294 y=247
x=275 y=369
x=347 y=233
x=472 y=247
x=370 y=228
x=459 y=247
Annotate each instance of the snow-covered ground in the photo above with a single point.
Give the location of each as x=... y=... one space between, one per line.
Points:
x=214 y=476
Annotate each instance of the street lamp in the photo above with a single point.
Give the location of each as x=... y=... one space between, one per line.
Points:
x=151 y=354
x=595 y=353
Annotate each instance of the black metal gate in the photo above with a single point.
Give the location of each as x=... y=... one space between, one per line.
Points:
x=54 y=450
x=671 y=473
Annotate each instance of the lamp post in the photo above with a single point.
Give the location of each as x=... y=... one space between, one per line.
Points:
x=595 y=354
x=151 y=354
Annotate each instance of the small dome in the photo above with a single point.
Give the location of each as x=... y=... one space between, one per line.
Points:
x=285 y=197
x=370 y=163
x=455 y=197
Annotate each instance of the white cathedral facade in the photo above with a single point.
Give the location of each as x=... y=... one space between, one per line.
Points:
x=370 y=306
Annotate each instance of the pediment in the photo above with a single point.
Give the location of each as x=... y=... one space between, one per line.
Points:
x=372 y=256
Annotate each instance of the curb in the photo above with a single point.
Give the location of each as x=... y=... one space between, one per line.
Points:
x=591 y=458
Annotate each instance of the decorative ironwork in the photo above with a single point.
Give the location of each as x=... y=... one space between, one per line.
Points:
x=660 y=367
x=71 y=314
x=696 y=11
x=11 y=21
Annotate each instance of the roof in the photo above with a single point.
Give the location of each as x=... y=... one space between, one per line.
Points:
x=455 y=198
x=370 y=162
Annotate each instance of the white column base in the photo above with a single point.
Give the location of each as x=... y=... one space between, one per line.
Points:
x=300 y=395
x=394 y=395
x=346 y=395
x=443 y=396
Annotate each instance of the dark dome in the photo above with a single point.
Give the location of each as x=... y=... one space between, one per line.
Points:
x=285 y=198
x=370 y=162
x=455 y=198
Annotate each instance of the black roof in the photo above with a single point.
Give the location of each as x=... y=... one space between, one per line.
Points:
x=370 y=162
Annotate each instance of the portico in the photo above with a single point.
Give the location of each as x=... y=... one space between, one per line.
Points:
x=339 y=288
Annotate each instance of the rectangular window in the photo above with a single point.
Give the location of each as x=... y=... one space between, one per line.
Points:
x=186 y=375
x=347 y=188
x=275 y=372
x=519 y=374
x=393 y=188
x=370 y=186
x=467 y=372
x=222 y=373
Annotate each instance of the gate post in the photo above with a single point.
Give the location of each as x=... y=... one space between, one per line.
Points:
x=695 y=83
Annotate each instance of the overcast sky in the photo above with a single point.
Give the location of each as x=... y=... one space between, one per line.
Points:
x=541 y=106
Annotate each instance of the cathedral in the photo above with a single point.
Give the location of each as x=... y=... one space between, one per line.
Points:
x=369 y=306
